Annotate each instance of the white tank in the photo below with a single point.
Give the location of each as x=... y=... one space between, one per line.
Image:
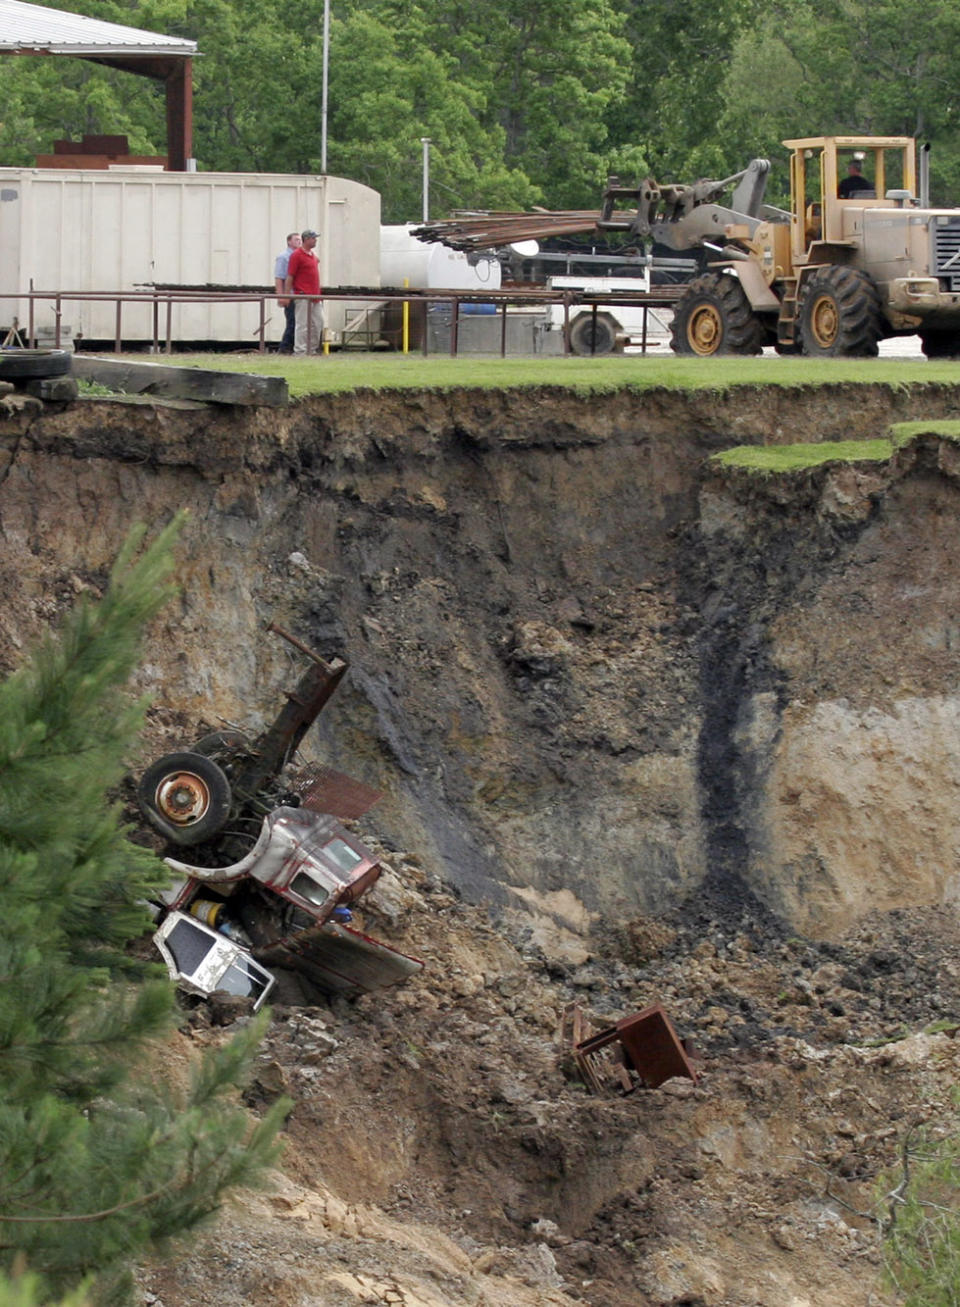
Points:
x=429 y=265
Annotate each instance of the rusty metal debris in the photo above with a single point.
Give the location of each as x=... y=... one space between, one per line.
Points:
x=486 y=231
x=642 y=1050
x=323 y=789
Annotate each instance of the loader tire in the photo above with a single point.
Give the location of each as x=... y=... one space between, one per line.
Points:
x=713 y=316
x=840 y=314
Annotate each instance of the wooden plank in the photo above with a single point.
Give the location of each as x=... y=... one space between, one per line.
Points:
x=169 y=381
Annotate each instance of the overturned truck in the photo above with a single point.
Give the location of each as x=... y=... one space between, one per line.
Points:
x=263 y=901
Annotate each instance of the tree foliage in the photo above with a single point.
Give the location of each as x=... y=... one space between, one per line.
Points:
x=525 y=101
x=96 y=1161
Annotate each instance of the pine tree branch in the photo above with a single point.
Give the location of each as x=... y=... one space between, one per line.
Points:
x=81 y=1218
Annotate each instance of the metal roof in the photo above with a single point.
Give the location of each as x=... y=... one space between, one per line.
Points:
x=29 y=28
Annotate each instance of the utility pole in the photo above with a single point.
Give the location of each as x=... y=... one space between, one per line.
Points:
x=325 y=79
x=425 y=142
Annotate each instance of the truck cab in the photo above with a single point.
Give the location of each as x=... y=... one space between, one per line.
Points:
x=306 y=858
x=283 y=906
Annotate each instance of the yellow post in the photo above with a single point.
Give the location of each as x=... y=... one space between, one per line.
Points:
x=406 y=320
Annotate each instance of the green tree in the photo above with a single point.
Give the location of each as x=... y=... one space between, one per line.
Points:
x=48 y=99
x=96 y=1162
x=391 y=85
x=27 y=1291
x=525 y=101
x=551 y=73
x=837 y=67
x=674 y=97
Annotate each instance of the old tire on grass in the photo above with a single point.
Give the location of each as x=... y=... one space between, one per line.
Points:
x=186 y=797
x=713 y=316
x=34 y=364
x=585 y=340
x=840 y=314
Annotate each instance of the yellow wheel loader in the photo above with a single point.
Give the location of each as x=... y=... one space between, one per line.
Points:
x=857 y=258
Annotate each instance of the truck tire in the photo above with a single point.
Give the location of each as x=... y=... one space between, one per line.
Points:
x=186 y=797
x=941 y=344
x=584 y=340
x=31 y=364
x=840 y=314
x=713 y=316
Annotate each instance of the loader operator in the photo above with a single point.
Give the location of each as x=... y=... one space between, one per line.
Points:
x=854 y=181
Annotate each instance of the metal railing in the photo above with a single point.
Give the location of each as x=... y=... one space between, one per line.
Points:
x=162 y=301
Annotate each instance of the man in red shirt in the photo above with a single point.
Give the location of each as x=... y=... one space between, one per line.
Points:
x=303 y=279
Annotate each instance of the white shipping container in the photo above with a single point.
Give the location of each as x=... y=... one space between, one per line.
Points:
x=125 y=228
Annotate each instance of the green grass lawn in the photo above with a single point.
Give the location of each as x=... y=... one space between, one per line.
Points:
x=770 y=459
x=345 y=372
x=948 y=428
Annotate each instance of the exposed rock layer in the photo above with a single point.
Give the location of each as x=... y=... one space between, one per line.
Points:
x=592 y=673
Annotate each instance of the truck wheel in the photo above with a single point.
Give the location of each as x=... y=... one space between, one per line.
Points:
x=185 y=796
x=713 y=316
x=584 y=340
x=941 y=345
x=32 y=364
x=840 y=314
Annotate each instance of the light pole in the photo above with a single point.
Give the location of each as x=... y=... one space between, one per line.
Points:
x=425 y=142
x=326 y=70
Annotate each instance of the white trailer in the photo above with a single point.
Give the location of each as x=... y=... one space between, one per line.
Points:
x=125 y=228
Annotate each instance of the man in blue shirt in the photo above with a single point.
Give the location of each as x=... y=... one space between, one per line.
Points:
x=279 y=278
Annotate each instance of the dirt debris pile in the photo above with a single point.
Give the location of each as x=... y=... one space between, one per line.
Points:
x=449 y=1105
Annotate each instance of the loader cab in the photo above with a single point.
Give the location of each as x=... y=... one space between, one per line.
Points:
x=817 y=167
